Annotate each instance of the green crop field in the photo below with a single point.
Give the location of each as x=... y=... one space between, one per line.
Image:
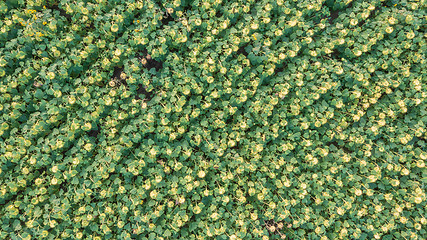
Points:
x=213 y=119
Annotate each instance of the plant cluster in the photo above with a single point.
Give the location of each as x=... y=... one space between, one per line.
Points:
x=212 y=119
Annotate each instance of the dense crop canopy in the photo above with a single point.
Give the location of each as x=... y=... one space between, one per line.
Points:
x=213 y=119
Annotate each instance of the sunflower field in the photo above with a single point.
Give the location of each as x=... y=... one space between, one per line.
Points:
x=213 y=119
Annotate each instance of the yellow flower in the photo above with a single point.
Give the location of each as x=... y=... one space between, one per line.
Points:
x=44 y=23
x=253 y=35
x=54 y=181
x=340 y=211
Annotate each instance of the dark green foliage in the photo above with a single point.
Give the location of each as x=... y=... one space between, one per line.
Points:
x=212 y=119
